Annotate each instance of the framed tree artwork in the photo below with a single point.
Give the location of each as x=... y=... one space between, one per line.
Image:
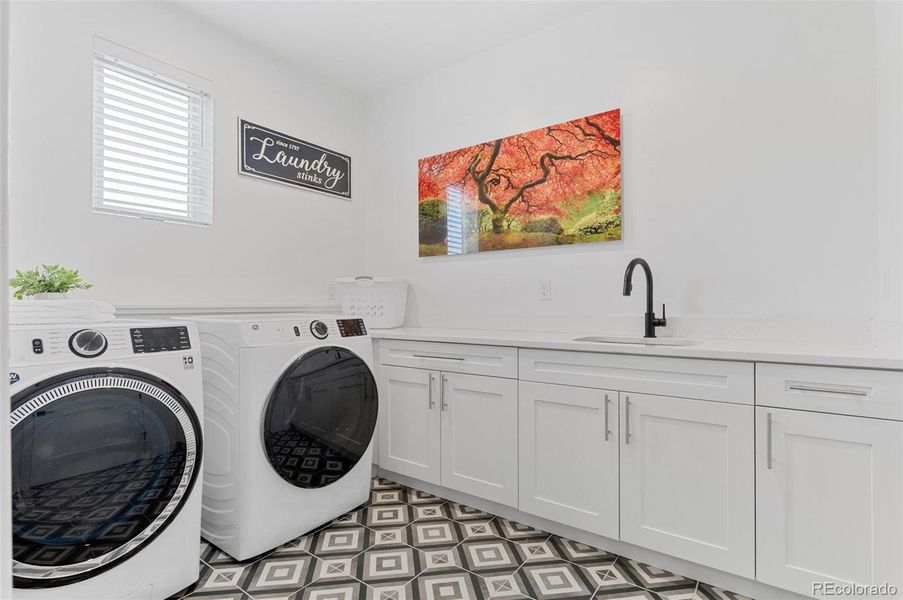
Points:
x=555 y=185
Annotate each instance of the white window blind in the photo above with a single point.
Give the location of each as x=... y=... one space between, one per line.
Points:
x=454 y=219
x=153 y=145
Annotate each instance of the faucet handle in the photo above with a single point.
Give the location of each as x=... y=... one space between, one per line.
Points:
x=664 y=318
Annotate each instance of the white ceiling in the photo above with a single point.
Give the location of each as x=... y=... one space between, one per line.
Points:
x=370 y=46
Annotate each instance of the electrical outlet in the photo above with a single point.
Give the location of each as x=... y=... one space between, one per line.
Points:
x=545 y=290
x=330 y=291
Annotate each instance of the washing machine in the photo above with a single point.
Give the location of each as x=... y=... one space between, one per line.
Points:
x=290 y=409
x=106 y=438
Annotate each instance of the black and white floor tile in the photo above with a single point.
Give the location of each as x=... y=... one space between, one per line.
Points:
x=405 y=544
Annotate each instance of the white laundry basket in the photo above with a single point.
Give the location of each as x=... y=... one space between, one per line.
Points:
x=380 y=300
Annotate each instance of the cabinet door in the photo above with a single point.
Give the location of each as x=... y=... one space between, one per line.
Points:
x=569 y=455
x=409 y=422
x=479 y=436
x=828 y=500
x=688 y=479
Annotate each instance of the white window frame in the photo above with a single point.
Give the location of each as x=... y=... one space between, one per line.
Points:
x=174 y=186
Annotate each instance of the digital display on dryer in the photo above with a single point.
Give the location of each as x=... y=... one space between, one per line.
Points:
x=160 y=339
x=351 y=327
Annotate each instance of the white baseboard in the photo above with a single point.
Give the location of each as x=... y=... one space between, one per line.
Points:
x=727 y=581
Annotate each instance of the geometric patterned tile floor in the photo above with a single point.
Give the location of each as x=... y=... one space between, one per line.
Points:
x=407 y=544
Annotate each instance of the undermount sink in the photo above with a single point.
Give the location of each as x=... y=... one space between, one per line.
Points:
x=642 y=341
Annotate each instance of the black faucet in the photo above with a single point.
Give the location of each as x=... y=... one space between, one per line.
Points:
x=651 y=320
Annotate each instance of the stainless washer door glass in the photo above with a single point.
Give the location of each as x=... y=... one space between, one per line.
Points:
x=320 y=417
x=102 y=460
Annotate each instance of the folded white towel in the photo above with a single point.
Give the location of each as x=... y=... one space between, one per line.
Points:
x=40 y=312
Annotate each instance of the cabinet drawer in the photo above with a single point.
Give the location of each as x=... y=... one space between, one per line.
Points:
x=860 y=392
x=497 y=361
x=687 y=378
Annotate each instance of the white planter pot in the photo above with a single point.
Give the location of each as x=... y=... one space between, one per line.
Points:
x=50 y=296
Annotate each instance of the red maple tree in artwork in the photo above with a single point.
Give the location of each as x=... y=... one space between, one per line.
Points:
x=532 y=173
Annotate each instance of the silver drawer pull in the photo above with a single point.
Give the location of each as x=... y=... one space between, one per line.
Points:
x=607 y=429
x=826 y=390
x=432 y=402
x=769 y=427
x=438 y=357
x=443 y=382
x=627 y=420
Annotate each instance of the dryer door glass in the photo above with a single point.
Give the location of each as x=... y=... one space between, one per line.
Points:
x=320 y=418
x=102 y=461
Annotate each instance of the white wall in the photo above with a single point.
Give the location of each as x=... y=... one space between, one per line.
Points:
x=6 y=578
x=751 y=152
x=270 y=244
x=762 y=144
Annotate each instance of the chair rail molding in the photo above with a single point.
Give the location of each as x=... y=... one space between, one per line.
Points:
x=177 y=310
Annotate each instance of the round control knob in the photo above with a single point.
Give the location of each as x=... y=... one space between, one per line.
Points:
x=319 y=329
x=88 y=343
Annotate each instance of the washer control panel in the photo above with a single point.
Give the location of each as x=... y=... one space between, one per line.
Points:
x=267 y=331
x=159 y=339
x=109 y=342
x=352 y=327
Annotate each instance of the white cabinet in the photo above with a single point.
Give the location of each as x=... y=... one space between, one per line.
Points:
x=479 y=436
x=688 y=479
x=789 y=474
x=569 y=455
x=450 y=429
x=829 y=500
x=409 y=422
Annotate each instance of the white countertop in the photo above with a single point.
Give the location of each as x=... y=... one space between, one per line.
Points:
x=807 y=353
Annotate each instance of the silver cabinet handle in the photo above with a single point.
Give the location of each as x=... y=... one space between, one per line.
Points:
x=607 y=430
x=438 y=357
x=769 y=429
x=432 y=402
x=627 y=420
x=826 y=390
x=443 y=380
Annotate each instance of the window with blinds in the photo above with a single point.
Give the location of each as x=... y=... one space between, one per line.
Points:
x=153 y=145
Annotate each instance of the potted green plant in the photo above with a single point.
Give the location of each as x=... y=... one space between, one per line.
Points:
x=47 y=282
